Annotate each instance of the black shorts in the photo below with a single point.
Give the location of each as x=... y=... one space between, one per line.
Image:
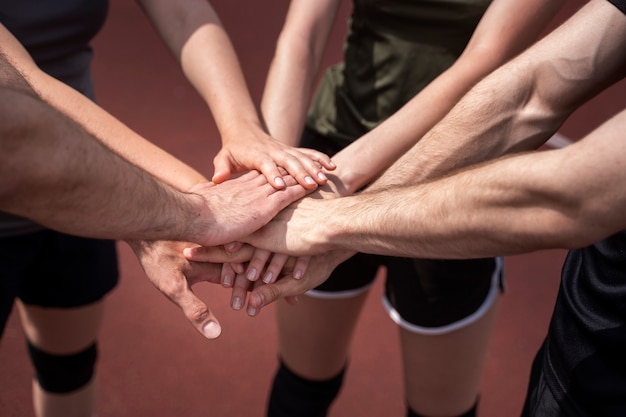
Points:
x=52 y=269
x=421 y=295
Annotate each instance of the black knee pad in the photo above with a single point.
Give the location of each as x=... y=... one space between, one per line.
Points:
x=293 y=395
x=63 y=373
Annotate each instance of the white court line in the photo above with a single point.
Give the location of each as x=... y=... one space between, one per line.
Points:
x=558 y=141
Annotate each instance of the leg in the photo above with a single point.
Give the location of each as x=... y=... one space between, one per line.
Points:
x=315 y=335
x=446 y=313
x=443 y=373
x=63 y=333
x=62 y=287
x=314 y=342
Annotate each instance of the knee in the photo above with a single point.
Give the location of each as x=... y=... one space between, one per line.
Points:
x=63 y=373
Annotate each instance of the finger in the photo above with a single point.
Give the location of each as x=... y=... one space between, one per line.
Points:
x=296 y=168
x=257 y=264
x=227 y=277
x=222 y=168
x=275 y=267
x=294 y=191
x=319 y=157
x=198 y=314
x=312 y=167
x=270 y=171
x=264 y=295
x=233 y=246
x=292 y=300
x=300 y=267
x=218 y=254
x=240 y=291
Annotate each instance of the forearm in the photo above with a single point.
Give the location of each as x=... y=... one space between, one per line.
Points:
x=287 y=93
x=55 y=173
x=194 y=33
x=294 y=67
x=20 y=72
x=365 y=159
x=513 y=205
x=506 y=29
x=520 y=105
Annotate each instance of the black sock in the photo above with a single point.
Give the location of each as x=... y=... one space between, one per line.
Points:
x=293 y=395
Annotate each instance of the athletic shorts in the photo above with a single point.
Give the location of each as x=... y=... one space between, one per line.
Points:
x=51 y=269
x=421 y=295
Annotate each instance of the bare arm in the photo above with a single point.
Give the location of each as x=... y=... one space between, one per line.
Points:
x=113 y=198
x=565 y=198
x=506 y=29
x=510 y=109
x=194 y=33
x=520 y=105
x=58 y=175
x=106 y=128
x=295 y=65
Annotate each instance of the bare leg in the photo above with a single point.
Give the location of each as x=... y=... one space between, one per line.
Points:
x=63 y=332
x=443 y=373
x=315 y=335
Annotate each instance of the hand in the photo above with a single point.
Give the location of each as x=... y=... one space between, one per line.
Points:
x=172 y=274
x=319 y=269
x=238 y=207
x=237 y=276
x=266 y=154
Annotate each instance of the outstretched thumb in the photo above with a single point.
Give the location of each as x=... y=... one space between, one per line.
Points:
x=199 y=315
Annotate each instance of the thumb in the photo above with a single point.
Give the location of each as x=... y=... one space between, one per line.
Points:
x=222 y=168
x=199 y=314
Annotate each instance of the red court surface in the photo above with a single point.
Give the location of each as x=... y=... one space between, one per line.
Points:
x=153 y=363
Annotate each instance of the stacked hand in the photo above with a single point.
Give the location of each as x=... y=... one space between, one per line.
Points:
x=281 y=265
x=234 y=209
x=273 y=263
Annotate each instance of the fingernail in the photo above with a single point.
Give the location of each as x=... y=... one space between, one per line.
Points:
x=211 y=330
x=228 y=280
x=251 y=274
x=321 y=176
x=279 y=182
x=239 y=268
x=297 y=274
x=332 y=164
x=252 y=311
x=309 y=180
x=237 y=303
x=231 y=246
x=268 y=277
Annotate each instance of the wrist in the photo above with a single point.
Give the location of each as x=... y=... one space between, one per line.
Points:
x=240 y=127
x=334 y=234
x=197 y=217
